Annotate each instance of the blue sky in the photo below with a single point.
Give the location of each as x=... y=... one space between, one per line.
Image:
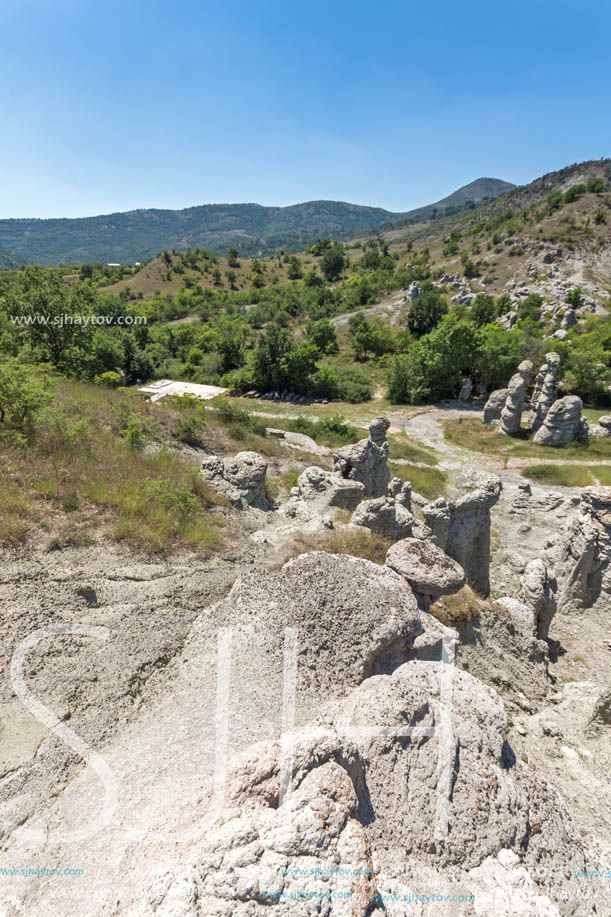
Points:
x=115 y=106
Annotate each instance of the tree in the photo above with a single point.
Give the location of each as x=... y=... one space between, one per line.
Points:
x=433 y=367
x=323 y=335
x=575 y=298
x=483 y=309
x=53 y=315
x=268 y=369
x=294 y=271
x=231 y=278
x=232 y=258
x=426 y=311
x=333 y=262
x=530 y=307
x=500 y=353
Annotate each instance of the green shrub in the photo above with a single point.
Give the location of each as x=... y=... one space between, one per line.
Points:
x=108 y=379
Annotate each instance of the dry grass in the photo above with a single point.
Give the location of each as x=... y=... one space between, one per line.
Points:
x=79 y=460
x=459 y=608
x=16 y=511
x=361 y=543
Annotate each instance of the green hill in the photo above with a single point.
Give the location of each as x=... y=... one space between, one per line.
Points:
x=253 y=229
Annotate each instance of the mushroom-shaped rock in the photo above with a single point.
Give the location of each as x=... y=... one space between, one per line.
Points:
x=428 y=569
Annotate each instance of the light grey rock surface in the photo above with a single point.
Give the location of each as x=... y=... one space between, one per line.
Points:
x=339 y=839
x=386 y=516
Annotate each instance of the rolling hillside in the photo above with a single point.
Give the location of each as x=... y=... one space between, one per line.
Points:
x=253 y=229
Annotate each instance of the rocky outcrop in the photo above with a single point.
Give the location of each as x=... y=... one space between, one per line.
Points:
x=563 y=423
x=367 y=460
x=462 y=530
x=326 y=489
x=511 y=414
x=428 y=570
x=508 y=321
x=583 y=567
x=363 y=815
x=494 y=405
x=386 y=516
x=545 y=391
x=241 y=479
x=389 y=516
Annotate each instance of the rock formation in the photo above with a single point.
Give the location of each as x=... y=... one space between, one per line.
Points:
x=428 y=570
x=603 y=427
x=583 y=568
x=325 y=489
x=462 y=530
x=367 y=460
x=494 y=405
x=563 y=423
x=536 y=591
x=386 y=516
x=241 y=479
x=545 y=391
x=465 y=390
x=511 y=414
x=362 y=819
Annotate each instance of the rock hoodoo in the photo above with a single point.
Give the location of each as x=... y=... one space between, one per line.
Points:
x=583 y=568
x=545 y=391
x=511 y=414
x=367 y=460
x=494 y=405
x=563 y=423
x=462 y=530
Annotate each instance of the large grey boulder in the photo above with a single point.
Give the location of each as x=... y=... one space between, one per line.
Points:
x=545 y=391
x=583 y=567
x=511 y=415
x=367 y=460
x=241 y=478
x=494 y=405
x=462 y=529
x=428 y=569
x=563 y=423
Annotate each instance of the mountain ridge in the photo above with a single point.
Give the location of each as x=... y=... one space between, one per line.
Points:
x=255 y=229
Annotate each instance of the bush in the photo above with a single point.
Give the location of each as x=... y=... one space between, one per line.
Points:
x=24 y=396
x=108 y=379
